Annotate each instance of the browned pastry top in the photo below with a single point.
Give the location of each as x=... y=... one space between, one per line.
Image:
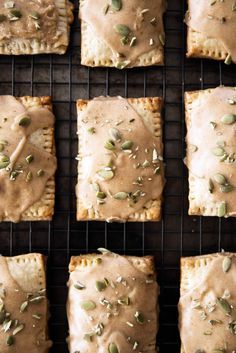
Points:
x=24 y=167
x=112 y=306
x=121 y=166
x=211 y=156
x=130 y=28
x=23 y=315
x=207 y=305
x=216 y=19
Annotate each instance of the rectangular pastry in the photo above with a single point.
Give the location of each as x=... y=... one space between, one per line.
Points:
x=211 y=30
x=122 y=34
x=27 y=159
x=35 y=27
x=211 y=151
x=207 y=303
x=120 y=170
x=112 y=304
x=23 y=304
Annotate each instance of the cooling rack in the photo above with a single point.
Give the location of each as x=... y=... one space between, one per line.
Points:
x=177 y=234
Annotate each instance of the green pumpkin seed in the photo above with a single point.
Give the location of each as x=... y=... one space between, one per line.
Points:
x=139 y=317
x=124 y=301
x=120 y=195
x=226 y=264
x=115 y=134
x=40 y=172
x=29 y=177
x=15 y=15
x=88 y=305
x=224 y=305
x=127 y=145
x=35 y=15
x=228 y=60
x=122 y=64
x=220 y=179
x=89 y=336
x=25 y=121
x=105 y=174
x=110 y=145
x=18 y=329
x=146 y=164
x=10 y=341
x=122 y=30
x=124 y=40
x=24 y=306
x=100 y=286
x=29 y=158
x=96 y=187
x=112 y=348
x=228 y=119
x=222 y=209
x=226 y=188
x=213 y=124
x=162 y=39
x=2 y=18
x=210 y=186
x=116 y=5
x=4 y=161
x=101 y=195
x=218 y=151
x=92 y=130
x=79 y=286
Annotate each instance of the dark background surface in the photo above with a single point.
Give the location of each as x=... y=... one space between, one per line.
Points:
x=178 y=234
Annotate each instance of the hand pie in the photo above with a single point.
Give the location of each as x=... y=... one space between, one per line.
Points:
x=27 y=159
x=120 y=170
x=207 y=303
x=112 y=304
x=212 y=29
x=23 y=305
x=211 y=151
x=121 y=34
x=35 y=27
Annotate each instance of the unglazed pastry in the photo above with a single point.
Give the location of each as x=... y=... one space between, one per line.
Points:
x=212 y=29
x=120 y=169
x=23 y=305
x=27 y=158
x=122 y=33
x=207 y=316
x=35 y=26
x=112 y=304
x=211 y=151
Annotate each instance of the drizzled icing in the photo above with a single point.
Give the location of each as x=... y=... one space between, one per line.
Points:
x=22 y=183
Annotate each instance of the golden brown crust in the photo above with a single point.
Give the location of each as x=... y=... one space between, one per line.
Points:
x=152 y=210
x=42 y=210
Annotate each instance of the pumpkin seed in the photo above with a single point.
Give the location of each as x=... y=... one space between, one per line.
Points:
x=29 y=177
x=98 y=260
x=226 y=264
x=105 y=174
x=139 y=317
x=124 y=301
x=127 y=145
x=37 y=300
x=106 y=8
x=226 y=188
x=116 y=5
x=2 y=18
x=231 y=101
x=89 y=336
x=228 y=119
x=88 y=305
x=193 y=148
x=153 y=21
x=96 y=187
x=220 y=179
x=100 y=286
x=228 y=59
x=101 y=195
x=37 y=316
x=124 y=40
x=15 y=15
x=25 y=121
x=99 y=329
x=162 y=39
x=122 y=64
x=4 y=161
x=115 y=134
x=222 y=209
x=210 y=186
x=122 y=30
x=133 y=42
x=92 y=130
x=29 y=158
x=103 y=250
x=24 y=306
x=224 y=305
x=18 y=329
x=40 y=172
x=110 y=145
x=35 y=15
x=120 y=195
x=79 y=286
x=10 y=341
x=146 y=164
x=112 y=348
x=157 y=170
x=213 y=124
x=218 y=151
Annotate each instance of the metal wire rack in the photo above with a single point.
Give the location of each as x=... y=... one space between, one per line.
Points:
x=177 y=234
